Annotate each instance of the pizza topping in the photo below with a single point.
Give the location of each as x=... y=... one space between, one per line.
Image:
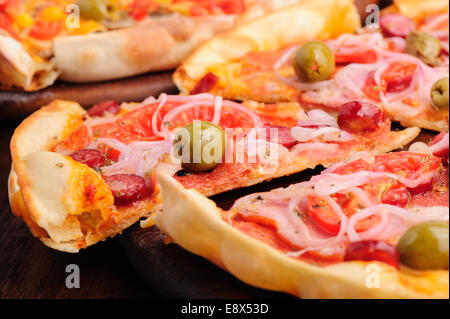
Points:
x=127 y=188
x=90 y=157
x=425 y=246
x=283 y=135
x=396 y=25
x=372 y=250
x=104 y=108
x=359 y=201
x=359 y=117
x=373 y=72
x=398 y=77
x=439 y=94
x=314 y=62
x=206 y=84
x=200 y=146
x=425 y=47
x=46 y=30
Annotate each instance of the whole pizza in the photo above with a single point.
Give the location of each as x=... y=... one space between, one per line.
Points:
x=281 y=92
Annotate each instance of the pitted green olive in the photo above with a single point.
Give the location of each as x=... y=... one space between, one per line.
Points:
x=314 y=62
x=425 y=246
x=425 y=47
x=93 y=9
x=439 y=94
x=200 y=146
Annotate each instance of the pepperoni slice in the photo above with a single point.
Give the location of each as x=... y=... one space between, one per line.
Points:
x=283 y=137
x=206 y=84
x=102 y=108
x=126 y=188
x=359 y=117
x=372 y=250
x=396 y=25
x=91 y=158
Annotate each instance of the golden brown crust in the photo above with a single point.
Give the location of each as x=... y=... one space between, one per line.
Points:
x=307 y=20
x=196 y=224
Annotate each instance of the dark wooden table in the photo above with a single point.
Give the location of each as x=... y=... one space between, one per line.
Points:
x=28 y=269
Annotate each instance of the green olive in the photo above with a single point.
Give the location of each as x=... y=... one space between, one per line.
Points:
x=93 y=9
x=439 y=94
x=200 y=146
x=314 y=62
x=425 y=246
x=425 y=47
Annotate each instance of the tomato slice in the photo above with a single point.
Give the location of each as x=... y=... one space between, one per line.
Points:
x=203 y=7
x=397 y=195
x=371 y=88
x=206 y=84
x=46 y=30
x=348 y=56
x=372 y=250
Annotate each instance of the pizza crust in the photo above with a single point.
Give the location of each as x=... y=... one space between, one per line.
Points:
x=158 y=44
x=196 y=224
x=66 y=204
x=306 y=20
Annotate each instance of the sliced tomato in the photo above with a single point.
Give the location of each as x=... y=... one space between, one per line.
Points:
x=109 y=152
x=346 y=56
x=323 y=215
x=231 y=6
x=398 y=77
x=139 y=9
x=406 y=164
x=46 y=30
x=203 y=7
x=372 y=250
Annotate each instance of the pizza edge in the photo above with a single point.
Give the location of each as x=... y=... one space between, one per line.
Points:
x=195 y=223
x=271 y=31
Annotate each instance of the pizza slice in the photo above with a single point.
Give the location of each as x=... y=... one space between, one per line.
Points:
x=324 y=60
x=376 y=227
x=86 y=40
x=79 y=177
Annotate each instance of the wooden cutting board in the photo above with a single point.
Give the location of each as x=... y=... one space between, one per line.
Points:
x=16 y=104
